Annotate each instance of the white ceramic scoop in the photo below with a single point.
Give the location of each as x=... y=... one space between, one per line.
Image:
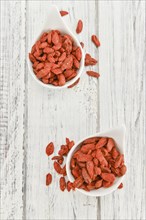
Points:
x=54 y=21
x=118 y=134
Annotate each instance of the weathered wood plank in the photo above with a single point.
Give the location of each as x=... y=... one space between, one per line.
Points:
x=12 y=96
x=53 y=115
x=122 y=66
x=31 y=116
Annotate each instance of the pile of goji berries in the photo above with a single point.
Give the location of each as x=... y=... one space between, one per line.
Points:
x=95 y=164
x=55 y=58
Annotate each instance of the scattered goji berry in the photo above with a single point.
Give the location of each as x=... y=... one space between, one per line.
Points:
x=79 y=27
x=63 y=13
x=62 y=183
x=95 y=40
x=50 y=149
x=48 y=179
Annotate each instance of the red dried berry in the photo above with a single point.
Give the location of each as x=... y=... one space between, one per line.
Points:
x=50 y=149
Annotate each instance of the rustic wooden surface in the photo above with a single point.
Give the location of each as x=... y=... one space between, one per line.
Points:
x=31 y=116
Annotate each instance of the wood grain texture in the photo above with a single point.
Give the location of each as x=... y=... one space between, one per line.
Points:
x=122 y=91
x=12 y=97
x=31 y=116
x=53 y=115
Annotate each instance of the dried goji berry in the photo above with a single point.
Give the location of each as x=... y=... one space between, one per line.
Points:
x=89 y=60
x=110 y=144
x=89 y=152
x=97 y=171
x=75 y=172
x=73 y=163
x=75 y=155
x=32 y=58
x=79 y=27
x=44 y=36
x=63 y=170
x=61 y=161
x=109 y=177
x=43 y=45
x=55 y=37
x=48 y=179
x=61 y=79
x=45 y=80
x=116 y=172
x=101 y=158
x=78 y=182
x=105 y=169
x=67 y=63
x=57 y=158
x=81 y=164
x=91 y=186
x=69 y=186
x=104 y=151
x=72 y=76
x=84 y=157
x=93 y=74
x=35 y=64
x=62 y=57
x=48 y=50
x=57 y=167
x=93 y=153
x=95 y=40
x=119 y=160
x=84 y=187
x=39 y=66
x=78 y=54
x=49 y=37
x=95 y=161
x=63 y=13
x=64 y=150
x=57 y=46
x=101 y=143
x=76 y=63
x=107 y=184
x=120 y=186
x=114 y=153
x=33 y=49
x=98 y=184
x=85 y=148
x=91 y=140
x=86 y=176
x=82 y=44
x=90 y=168
x=62 y=183
x=70 y=144
x=50 y=149
x=68 y=73
x=123 y=170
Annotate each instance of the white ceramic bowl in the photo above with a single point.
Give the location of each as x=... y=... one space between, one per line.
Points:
x=55 y=21
x=118 y=134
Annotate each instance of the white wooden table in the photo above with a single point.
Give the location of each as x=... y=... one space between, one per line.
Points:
x=31 y=116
